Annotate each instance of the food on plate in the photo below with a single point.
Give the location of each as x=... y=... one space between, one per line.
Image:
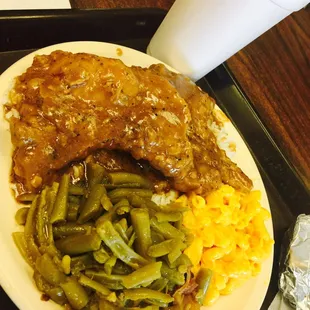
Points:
x=133 y=204
x=66 y=106
x=230 y=237
x=104 y=244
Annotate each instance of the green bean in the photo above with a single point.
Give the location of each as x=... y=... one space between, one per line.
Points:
x=49 y=270
x=123 y=223
x=167 y=230
x=177 y=247
x=129 y=232
x=156 y=237
x=29 y=232
x=120 y=193
x=21 y=215
x=179 y=223
x=189 y=238
x=159 y=284
x=122 y=207
x=57 y=294
x=60 y=209
x=151 y=307
x=78 y=244
x=173 y=207
x=85 y=281
x=203 y=279
x=171 y=286
x=174 y=254
x=168 y=217
x=101 y=255
x=106 y=305
x=160 y=249
x=132 y=240
x=118 y=247
x=111 y=281
x=75 y=293
x=51 y=197
x=143 y=275
x=125 y=178
x=111 y=215
x=120 y=255
x=73 y=210
x=121 y=268
x=92 y=205
x=122 y=232
x=20 y=242
x=70 y=229
x=109 y=264
x=30 y=225
x=50 y=236
x=182 y=269
x=141 y=224
x=123 y=210
x=145 y=293
x=81 y=262
x=140 y=201
x=27 y=197
x=127 y=185
x=51 y=250
x=40 y=282
x=95 y=174
x=76 y=190
x=85 y=259
x=181 y=260
x=157 y=303
x=42 y=218
x=74 y=199
x=172 y=275
x=106 y=202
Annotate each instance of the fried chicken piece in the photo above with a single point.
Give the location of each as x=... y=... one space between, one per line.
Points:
x=73 y=104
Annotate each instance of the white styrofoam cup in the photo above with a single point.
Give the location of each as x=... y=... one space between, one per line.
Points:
x=198 y=35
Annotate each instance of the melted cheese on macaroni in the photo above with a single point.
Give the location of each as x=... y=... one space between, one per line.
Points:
x=230 y=237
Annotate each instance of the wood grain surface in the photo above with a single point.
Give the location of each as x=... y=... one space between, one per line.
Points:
x=274 y=72
x=90 y=4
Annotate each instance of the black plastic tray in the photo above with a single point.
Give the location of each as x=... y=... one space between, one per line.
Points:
x=21 y=32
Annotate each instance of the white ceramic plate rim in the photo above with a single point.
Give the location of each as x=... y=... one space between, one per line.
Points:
x=16 y=275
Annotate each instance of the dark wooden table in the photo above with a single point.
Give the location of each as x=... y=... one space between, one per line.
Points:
x=274 y=72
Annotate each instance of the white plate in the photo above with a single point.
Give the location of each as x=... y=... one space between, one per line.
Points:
x=16 y=275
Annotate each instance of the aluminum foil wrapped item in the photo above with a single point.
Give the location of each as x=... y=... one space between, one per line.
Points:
x=294 y=283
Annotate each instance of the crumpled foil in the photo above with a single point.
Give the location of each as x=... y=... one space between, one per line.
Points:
x=295 y=264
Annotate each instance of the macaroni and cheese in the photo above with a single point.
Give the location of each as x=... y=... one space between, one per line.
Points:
x=230 y=237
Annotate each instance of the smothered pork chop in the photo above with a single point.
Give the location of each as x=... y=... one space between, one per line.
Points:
x=70 y=105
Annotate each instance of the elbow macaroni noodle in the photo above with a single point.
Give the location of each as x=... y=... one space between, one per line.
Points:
x=230 y=237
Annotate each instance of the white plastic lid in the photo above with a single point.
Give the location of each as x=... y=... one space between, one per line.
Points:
x=292 y=5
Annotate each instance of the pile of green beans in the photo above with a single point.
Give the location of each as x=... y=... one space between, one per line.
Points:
x=102 y=243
